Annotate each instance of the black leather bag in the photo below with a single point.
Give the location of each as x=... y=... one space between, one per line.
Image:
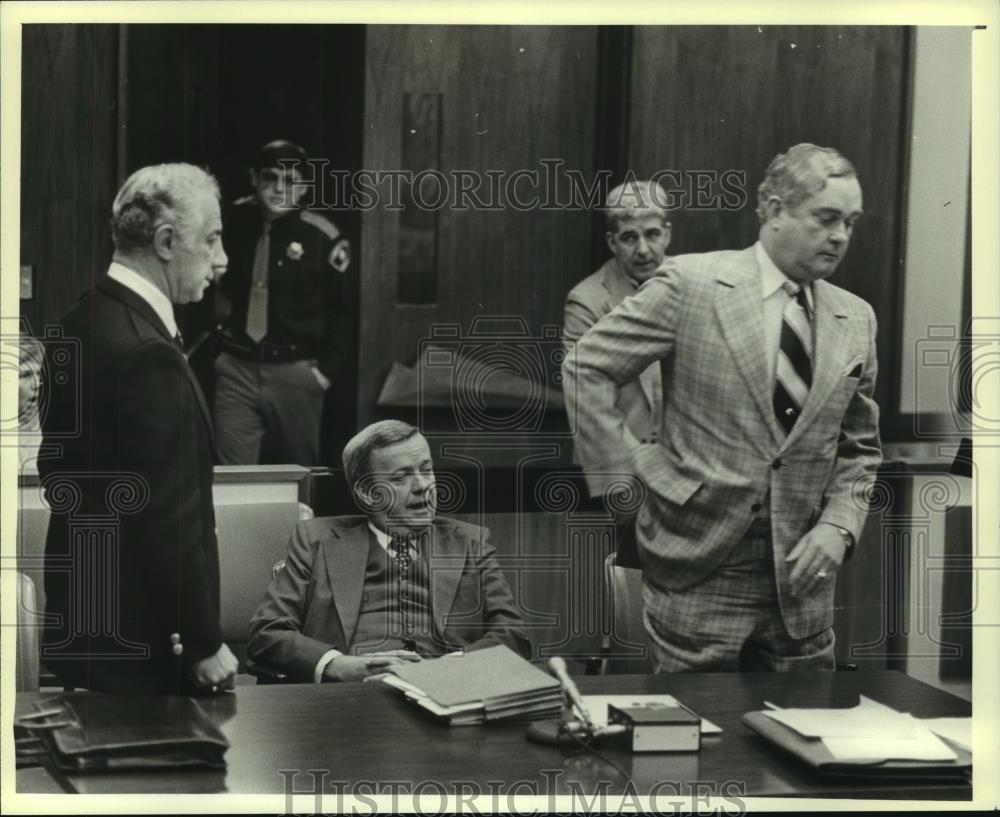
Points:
x=90 y=732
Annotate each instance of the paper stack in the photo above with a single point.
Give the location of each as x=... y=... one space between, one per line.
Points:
x=483 y=685
x=868 y=732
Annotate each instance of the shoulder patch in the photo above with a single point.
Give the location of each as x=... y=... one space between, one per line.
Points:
x=340 y=255
x=320 y=223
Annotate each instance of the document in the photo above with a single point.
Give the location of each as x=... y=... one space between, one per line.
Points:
x=924 y=745
x=957 y=730
x=869 y=731
x=483 y=685
x=867 y=718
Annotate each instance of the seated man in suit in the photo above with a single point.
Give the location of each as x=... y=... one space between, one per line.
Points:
x=360 y=593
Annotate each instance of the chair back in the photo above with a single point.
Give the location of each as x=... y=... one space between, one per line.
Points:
x=626 y=650
x=26 y=663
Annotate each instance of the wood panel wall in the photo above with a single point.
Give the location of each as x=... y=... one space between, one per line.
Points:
x=214 y=94
x=510 y=97
x=69 y=114
x=717 y=98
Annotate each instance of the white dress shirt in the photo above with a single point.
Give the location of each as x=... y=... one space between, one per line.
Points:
x=774 y=300
x=149 y=293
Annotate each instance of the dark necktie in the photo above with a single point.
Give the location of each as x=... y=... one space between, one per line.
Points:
x=793 y=370
x=257 y=307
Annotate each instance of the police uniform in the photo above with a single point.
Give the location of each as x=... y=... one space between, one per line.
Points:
x=269 y=401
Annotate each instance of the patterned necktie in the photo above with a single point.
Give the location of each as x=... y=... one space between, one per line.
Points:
x=257 y=308
x=400 y=546
x=793 y=371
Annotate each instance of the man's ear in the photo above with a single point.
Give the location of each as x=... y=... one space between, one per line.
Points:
x=253 y=178
x=668 y=229
x=164 y=241
x=773 y=208
x=610 y=238
x=362 y=497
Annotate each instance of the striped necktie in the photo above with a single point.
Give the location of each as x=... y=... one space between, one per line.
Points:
x=257 y=307
x=793 y=371
x=400 y=545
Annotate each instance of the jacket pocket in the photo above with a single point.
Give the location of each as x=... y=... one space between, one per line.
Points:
x=661 y=477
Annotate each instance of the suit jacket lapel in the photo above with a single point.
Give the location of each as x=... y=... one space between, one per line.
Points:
x=619 y=288
x=139 y=304
x=741 y=320
x=346 y=556
x=135 y=302
x=830 y=353
x=446 y=563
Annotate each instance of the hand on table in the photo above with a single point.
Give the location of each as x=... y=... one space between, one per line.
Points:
x=359 y=667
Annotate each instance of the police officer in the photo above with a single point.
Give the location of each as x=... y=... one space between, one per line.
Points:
x=284 y=318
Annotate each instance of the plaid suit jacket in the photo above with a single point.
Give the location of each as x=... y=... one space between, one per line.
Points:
x=721 y=451
x=594 y=297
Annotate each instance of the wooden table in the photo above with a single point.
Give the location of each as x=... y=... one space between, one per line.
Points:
x=363 y=734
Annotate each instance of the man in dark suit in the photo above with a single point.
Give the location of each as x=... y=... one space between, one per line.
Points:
x=138 y=610
x=359 y=594
x=769 y=440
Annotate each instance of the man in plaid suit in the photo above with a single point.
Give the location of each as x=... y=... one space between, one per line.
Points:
x=757 y=488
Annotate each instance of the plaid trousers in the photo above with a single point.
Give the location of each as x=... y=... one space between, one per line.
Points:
x=731 y=621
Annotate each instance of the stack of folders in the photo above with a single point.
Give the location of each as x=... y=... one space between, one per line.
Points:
x=870 y=739
x=481 y=686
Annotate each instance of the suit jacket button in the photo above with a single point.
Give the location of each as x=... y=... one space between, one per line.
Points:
x=776 y=464
x=756 y=507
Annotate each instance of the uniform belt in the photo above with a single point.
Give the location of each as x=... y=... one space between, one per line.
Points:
x=267 y=352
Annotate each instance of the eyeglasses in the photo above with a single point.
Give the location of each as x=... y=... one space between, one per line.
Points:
x=271 y=175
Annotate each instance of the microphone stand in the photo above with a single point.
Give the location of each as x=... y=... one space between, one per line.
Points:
x=569 y=733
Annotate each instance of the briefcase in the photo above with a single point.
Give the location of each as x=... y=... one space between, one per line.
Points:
x=90 y=732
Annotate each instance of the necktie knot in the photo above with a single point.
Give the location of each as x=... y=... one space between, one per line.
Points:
x=400 y=545
x=798 y=294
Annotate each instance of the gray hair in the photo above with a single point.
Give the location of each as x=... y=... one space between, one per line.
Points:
x=358 y=451
x=634 y=199
x=799 y=173
x=153 y=196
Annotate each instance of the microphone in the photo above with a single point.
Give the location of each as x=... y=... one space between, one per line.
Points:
x=558 y=667
x=562 y=733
